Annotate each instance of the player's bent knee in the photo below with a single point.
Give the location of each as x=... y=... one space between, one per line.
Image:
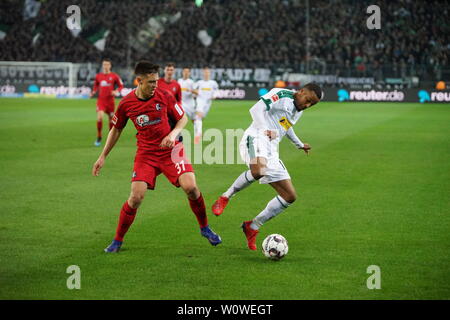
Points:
x=290 y=197
x=136 y=199
x=191 y=190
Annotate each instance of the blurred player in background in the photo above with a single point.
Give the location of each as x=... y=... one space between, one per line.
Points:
x=105 y=83
x=158 y=120
x=273 y=117
x=187 y=96
x=169 y=83
x=204 y=89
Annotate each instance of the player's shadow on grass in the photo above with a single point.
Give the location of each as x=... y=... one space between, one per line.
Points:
x=257 y=256
x=221 y=252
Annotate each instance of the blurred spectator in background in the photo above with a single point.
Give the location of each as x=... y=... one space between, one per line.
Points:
x=263 y=33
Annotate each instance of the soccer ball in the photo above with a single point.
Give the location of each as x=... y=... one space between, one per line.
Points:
x=275 y=246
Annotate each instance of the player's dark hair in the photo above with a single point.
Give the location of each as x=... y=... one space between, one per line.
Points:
x=107 y=60
x=314 y=87
x=170 y=64
x=145 y=67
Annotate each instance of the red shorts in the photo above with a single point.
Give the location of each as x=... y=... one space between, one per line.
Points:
x=148 y=167
x=105 y=106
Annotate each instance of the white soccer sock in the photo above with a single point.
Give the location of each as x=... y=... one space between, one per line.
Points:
x=242 y=182
x=274 y=208
x=198 y=127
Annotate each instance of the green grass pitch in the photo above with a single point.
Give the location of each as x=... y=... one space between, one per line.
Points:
x=374 y=191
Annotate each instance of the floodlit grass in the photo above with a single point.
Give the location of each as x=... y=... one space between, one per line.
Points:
x=374 y=191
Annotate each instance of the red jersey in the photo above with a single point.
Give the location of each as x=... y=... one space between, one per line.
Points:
x=153 y=119
x=172 y=86
x=105 y=83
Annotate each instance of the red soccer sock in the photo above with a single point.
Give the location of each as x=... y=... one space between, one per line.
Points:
x=99 y=129
x=198 y=207
x=127 y=215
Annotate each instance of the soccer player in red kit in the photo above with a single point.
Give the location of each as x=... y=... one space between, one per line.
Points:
x=169 y=83
x=158 y=120
x=104 y=83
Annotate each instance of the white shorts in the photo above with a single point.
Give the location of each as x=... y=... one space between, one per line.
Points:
x=189 y=109
x=203 y=106
x=256 y=144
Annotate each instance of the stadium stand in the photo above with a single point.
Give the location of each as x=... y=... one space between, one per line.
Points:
x=243 y=34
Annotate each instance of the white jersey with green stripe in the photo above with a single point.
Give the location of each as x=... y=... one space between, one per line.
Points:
x=278 y=112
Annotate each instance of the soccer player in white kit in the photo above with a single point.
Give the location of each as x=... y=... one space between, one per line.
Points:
x=187 y=96
x=273 y=117
x=205 y=90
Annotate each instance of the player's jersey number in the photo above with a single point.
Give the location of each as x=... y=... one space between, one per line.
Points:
x=180 y=166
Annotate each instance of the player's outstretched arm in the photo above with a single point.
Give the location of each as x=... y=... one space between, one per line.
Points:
x=94 y=89
x=118 y=82
x=296 y=141
x=169 y=140
x=113 y=136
